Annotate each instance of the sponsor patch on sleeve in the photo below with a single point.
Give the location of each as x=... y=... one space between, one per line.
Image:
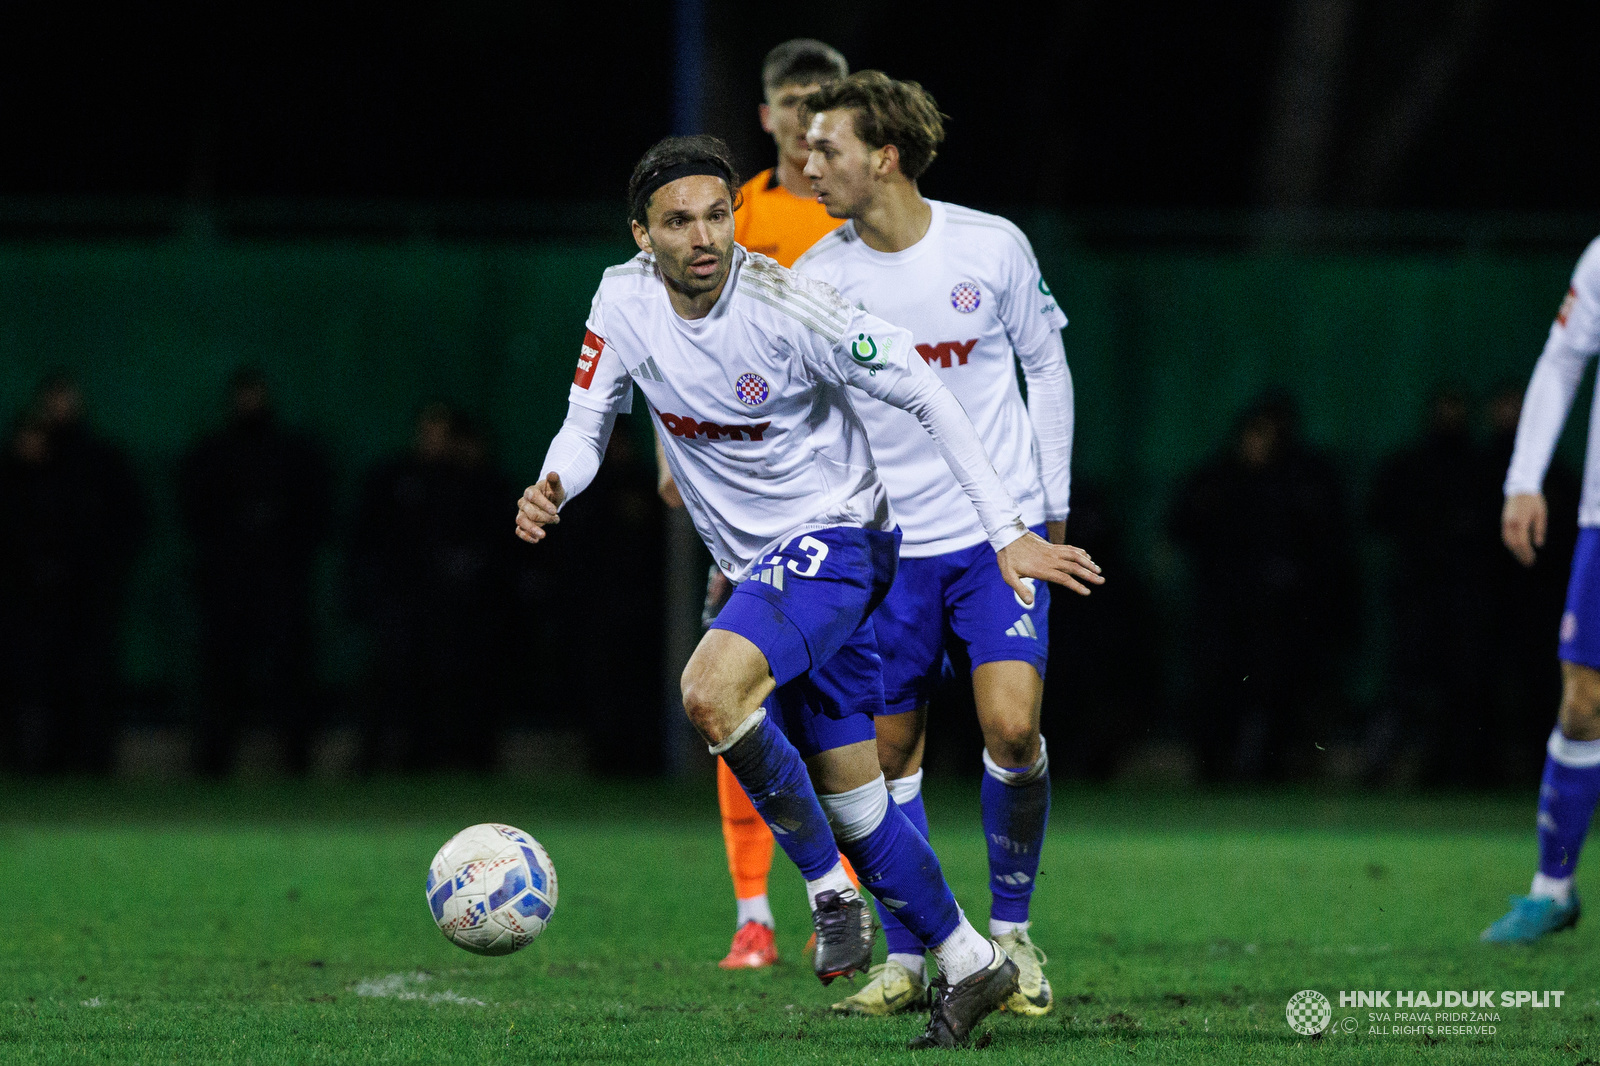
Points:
x=1566 y=306
x=587 y=358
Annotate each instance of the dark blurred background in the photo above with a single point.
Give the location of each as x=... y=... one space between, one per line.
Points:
x=289 y=297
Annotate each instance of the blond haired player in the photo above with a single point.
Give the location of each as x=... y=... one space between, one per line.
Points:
x=968 y=287
x=780 y=218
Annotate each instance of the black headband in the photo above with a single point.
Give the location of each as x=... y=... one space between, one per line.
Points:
x=671 y=174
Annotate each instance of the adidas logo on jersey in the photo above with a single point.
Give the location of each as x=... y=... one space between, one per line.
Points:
x=648 y=370
x=690 y=426
x=773 y=576
x=1023 y=628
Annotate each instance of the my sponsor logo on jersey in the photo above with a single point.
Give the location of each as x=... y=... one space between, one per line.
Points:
x=1567 y=303
x=946 y=353
x=865 y=350
x=965 y=297
x=588 y=357
x=751 y=389
x=690 y=426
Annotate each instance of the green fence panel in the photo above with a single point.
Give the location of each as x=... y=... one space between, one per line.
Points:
x=1165 y=349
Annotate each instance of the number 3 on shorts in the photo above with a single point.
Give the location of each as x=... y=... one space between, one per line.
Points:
x=816 y=552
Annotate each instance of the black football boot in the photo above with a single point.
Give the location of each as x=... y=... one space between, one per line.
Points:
x=957 y=1009
x=844 y=935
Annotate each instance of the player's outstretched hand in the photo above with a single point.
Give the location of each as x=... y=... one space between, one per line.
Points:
x=1060 y=564
x=1522 y=525
x=538 y=508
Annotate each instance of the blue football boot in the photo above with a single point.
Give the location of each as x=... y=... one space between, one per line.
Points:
x=1532 y=918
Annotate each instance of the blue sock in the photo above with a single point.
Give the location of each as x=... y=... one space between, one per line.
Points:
x=900 y=939
x=1567 y=796
x=1016 y=810
x=774 y=777
x=898 y=866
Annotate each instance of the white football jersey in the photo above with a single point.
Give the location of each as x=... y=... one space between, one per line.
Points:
x=1574 y=339
x=971 y=294
x=753 y=406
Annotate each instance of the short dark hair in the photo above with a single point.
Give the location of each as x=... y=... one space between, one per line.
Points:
x=901 y=113
x=672 y=152
x=802 y=61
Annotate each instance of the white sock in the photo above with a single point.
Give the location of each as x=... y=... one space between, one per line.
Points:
x=835 y=879
x=904 y=789
x=755 y=909
x=855 y=814
x=1556 y=888
x=963 y=953
x=917 y=964
x=997 y=928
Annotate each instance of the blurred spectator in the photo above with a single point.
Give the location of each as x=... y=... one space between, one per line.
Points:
x=71 y=524
x=1525 y=604
x=255 y=496
x=1437 y=503
x=431 y=563
x=607 y=555
x=1106 y=692
x=1266 y=531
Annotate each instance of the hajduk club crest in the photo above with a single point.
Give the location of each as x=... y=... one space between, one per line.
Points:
x=965 y=297
x=751 y=389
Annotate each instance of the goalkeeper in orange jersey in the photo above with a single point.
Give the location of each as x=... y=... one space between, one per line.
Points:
x=777 y=217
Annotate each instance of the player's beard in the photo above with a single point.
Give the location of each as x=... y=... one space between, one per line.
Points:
x=693 y=285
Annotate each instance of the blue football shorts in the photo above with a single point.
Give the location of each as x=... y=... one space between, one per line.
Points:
x=958 y=606
x=808 y=607
x=1580 y=623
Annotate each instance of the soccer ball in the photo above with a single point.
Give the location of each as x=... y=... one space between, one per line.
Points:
x=491 y=889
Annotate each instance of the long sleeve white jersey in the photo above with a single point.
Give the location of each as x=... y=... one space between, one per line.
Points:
x=1574 y=340
x=754 y=406
x=971 y=294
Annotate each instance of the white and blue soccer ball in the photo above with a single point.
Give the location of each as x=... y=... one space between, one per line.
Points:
x=491 y=889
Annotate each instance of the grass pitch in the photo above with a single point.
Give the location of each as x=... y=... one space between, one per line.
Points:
x=286 y=923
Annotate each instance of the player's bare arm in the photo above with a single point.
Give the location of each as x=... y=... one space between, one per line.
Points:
x=539 y=507
x=1522 y=525
x=666 y=487
x=1057 y=531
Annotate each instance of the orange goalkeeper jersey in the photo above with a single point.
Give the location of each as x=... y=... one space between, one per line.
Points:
x=777 y=223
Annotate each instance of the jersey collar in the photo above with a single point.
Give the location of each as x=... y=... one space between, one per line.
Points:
x=908 y=255
x=720 y=310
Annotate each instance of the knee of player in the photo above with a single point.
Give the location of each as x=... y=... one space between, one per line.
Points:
x=1012 y=743
x=704 y=702
x=699 y=704
x=1580 y=700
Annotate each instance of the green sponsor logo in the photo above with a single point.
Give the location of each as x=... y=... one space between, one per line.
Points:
x=864 y=349
x=1043 y=287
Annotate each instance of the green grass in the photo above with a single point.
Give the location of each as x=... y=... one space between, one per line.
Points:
x=239 y=924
